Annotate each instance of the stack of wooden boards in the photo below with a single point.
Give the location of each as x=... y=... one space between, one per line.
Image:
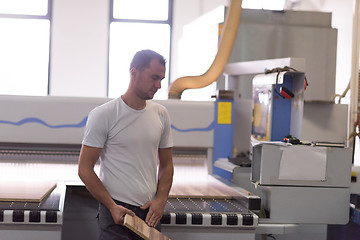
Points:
x=32 y=191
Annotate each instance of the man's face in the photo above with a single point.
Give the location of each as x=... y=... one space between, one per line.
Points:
x=148 y=80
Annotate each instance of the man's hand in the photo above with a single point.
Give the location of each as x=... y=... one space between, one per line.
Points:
x=156 y=209
x=118 y=213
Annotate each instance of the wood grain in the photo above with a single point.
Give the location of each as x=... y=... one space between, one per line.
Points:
x=192 y=180
x=210 y=187
x=138 y=226
x=25 y=191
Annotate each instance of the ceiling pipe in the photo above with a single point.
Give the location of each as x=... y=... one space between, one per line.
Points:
x=227 y=40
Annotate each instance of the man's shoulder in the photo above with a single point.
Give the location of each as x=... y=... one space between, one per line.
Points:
x=108 y=106
x=104 y=111
x=156 y=105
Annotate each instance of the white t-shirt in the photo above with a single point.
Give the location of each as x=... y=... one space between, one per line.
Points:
x=130 y=140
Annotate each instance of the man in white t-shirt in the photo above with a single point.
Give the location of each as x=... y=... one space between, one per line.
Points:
x=132 y=138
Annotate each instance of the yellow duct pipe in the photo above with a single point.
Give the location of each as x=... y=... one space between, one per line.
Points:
x=227 y=40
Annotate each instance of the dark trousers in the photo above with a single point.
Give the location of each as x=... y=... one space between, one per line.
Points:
x=109 y=230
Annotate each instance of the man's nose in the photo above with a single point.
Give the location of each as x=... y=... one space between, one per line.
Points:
x=158 y=84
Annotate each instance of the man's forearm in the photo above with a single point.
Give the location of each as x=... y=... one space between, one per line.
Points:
x=96 y=188
x=165 y=173
x=165 y=181
x=88 y=158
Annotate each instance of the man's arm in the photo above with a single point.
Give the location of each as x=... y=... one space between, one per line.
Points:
x=165 y=176
x=88 y=158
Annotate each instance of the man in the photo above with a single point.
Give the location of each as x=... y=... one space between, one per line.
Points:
x=130 y=135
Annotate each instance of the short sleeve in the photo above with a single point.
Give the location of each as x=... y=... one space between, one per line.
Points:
x=95 y=134
x=166 y=140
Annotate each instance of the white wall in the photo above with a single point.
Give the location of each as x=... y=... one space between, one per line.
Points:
x=342 y=19
x=79 y=48
x=186 y=11
x=79 y=44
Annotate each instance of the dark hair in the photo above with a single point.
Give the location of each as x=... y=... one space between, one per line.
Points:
x=142 y=59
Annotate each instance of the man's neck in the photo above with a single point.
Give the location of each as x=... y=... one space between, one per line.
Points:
x=133 y=101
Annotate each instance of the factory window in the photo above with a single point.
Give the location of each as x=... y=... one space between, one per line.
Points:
x=24 y=46
x=137 y=25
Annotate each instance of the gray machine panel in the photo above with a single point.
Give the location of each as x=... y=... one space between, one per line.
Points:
x=267 y=160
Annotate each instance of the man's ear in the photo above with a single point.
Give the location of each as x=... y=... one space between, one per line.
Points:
x=133 y=72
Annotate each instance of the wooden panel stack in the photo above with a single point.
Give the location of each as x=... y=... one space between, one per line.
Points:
x=25 y=191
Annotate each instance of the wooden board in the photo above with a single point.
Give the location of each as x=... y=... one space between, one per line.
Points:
x=138 y=226
x=192 y=180
x=25 y=191
x=209 y=188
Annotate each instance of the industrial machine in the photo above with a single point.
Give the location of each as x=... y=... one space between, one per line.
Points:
x=41 y=138
x=40 y=142
x=291 y=191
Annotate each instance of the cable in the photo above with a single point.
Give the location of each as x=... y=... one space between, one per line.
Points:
x=284 y=69
x=355 y=132
x=271 y=236
x=341 y=96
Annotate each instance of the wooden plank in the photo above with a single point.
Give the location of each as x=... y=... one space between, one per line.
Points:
x=191 y=180
x=209 y=188
x=25 y=191
x=138 y=226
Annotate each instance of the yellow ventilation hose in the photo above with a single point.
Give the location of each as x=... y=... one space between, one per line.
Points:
x=227 y=40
